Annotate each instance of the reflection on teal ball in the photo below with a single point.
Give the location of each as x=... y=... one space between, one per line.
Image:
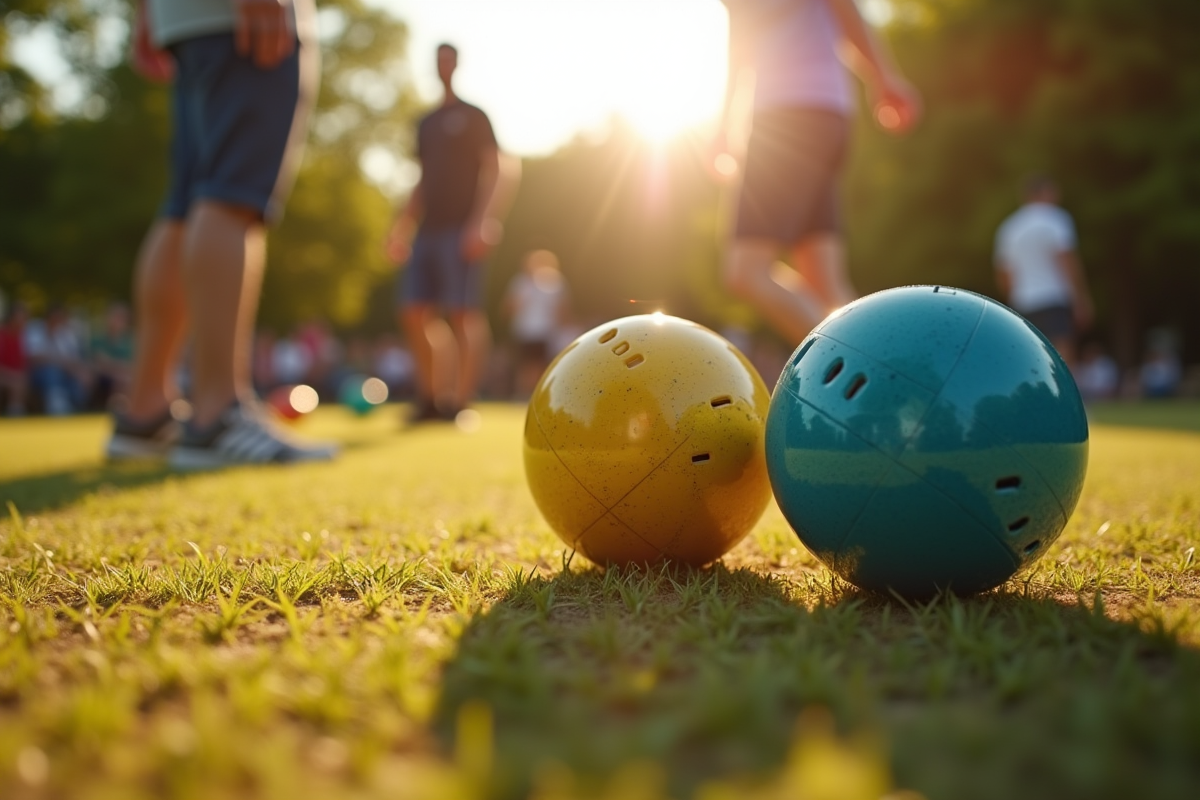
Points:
x=926 y=439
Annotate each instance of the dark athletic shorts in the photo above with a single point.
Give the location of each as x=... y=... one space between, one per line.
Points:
x=438 y=275
x=237 y=130
x=533 y=349
x=790 y=185
x=1055 y=323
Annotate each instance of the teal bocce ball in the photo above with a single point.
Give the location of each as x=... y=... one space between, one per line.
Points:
x=926 y=439
x=361 y=393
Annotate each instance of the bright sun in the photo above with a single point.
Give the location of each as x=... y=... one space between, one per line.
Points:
x=545 y=70
x=672 y=71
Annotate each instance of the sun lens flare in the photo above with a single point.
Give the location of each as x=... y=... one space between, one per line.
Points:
x=304 y=399
x=374 y=391
x=888 y=117
x=725 y=165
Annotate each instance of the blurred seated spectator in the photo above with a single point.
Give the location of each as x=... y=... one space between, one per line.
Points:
x=324 y=354
x=290 y=361
x=1097 y=374
x=58 y=373
x=360 y=356
x=1162 y=370
x=14 y=380
x=356 y=359
x=394 y=366
x=1161 y=373
x=261 y=366
x=112 y=355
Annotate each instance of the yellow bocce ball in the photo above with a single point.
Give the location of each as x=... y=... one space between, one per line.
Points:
x=644 y=441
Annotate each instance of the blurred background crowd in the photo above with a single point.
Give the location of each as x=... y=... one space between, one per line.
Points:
x=1101 y=95
x=70 y=361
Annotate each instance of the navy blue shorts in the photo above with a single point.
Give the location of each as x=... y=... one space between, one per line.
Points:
x=238 y=129
x=438 y=275
x=1055 y=322
x=790 y=184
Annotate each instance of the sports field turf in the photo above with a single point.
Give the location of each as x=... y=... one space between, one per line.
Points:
x=402 y=624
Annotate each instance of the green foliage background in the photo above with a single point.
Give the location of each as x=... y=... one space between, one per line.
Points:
x=1102 y=94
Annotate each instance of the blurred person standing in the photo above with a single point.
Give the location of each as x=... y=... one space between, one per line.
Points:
x=1162 y=370
x=1038 y=270
x=324 y=354
x=14 y=367
x=245 y=75
x=112 y=355
x=58 y=369
x=537 y=304
x=393 y=365
x=450 y=223
x=1097 y=374
x=291 y=360
x=786 y=71
x=262 y=368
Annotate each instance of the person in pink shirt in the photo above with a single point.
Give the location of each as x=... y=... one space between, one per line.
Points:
x=787 y=75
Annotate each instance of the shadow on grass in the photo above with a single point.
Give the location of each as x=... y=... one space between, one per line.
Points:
x=37 y=493
x=52 y=490
x=705 y=674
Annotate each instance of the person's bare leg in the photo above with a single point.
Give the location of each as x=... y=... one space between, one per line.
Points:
x=433 y=350
x=792 y=311
x=412 y=321
x=224 y=250
x=821 y=261
x=473 y=336
x=161 y=320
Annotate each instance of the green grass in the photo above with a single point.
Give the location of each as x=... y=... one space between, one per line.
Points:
x=1181 y=415
x=402 y=624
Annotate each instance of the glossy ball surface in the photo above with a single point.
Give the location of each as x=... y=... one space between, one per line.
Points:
x=926 y=439
x=644 y=441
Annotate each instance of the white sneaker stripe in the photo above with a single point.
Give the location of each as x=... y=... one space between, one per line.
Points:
x=264 y=449
x=250 y=439
x=252 y=445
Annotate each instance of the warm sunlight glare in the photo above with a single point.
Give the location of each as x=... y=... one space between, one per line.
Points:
x=725 y=165
x=304 y=399
x=374 y=391
x=545 y=71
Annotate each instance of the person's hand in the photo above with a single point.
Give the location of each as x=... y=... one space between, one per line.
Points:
x=152 y=63
x=897 y=104
x=397 y=247
x=263 y=31
x=479 y=239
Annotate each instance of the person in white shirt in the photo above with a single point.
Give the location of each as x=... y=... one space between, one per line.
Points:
x=537 y=303
x=1038 y=268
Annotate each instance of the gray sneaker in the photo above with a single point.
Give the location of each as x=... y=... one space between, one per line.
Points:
x=243 y=435
x=154 y=438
